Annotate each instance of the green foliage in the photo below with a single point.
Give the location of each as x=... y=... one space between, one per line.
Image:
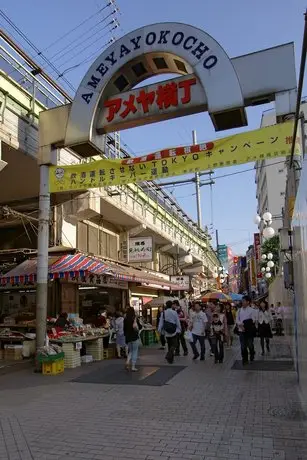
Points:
x=271 y=245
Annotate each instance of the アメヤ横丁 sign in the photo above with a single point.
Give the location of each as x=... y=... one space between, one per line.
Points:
x=270 y=142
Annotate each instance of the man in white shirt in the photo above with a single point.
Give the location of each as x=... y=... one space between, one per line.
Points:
x=246 y=325
x=198 y=328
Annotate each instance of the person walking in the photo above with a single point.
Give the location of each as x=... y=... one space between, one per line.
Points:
x=279 y=319
x=170 y=326
x=131 y=332
x=120 y=336
x=184 y=325
x=217 y=331
x=246 y=327
x=209 y=312
x=230 y=324
x=161 y=335
x=264 y=326
x=198 y=328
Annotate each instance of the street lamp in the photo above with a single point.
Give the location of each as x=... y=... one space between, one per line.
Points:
x=268 y=231
x=266 y=271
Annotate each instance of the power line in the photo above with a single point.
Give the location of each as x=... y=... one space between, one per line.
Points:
x=77 y=42
x=111 y=2
x=34 y=47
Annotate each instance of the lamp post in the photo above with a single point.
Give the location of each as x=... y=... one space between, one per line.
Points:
x=268 y=232
x=266 y=271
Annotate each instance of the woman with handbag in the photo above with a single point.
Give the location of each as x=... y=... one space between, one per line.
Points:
x=264 y=326
x=131 y=332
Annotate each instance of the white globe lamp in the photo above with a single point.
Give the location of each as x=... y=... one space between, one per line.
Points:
x=188 y=259
x=263 y=257
x=268 y=275
x=268 y=232
x=257 y=219
x=215 y=275
x=263 y=269
x=270 y=264
x=270 y=256
x=220 y=269
x=267 y=269
x=267 y=216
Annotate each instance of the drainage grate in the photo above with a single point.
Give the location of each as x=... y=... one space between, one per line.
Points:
x=293 y=413
x=275 y=366
x=114 y=374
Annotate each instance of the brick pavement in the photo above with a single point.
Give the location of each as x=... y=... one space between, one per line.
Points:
x=206 y=412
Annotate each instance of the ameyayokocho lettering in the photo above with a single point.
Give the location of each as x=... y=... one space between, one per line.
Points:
x=188 y=42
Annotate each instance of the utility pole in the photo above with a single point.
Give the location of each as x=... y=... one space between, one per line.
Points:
x=217 y=239
x=197 y=188
x=42 y=256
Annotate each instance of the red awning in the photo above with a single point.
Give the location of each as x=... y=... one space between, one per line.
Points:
x=79 y=265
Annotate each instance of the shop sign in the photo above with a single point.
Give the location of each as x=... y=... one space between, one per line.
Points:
x=269 y=142
x=257 y=245
x=140 y=249
x=183 y=282
x=78 y=345
x=152 y=103
x=101 y=281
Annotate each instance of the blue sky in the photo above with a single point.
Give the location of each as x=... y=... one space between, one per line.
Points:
x=240 y=27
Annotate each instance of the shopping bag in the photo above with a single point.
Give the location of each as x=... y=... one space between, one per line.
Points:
x=188 y=336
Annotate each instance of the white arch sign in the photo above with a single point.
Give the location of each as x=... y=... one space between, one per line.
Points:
x=198 y=51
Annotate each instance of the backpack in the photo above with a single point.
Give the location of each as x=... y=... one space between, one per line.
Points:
x=169 y=327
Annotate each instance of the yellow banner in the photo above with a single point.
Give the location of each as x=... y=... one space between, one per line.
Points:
x=270 y=142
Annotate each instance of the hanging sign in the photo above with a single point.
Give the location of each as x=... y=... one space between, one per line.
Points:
x=140 y=249
x=269 y=142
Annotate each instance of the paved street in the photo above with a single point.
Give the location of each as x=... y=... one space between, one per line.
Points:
x=204 y=412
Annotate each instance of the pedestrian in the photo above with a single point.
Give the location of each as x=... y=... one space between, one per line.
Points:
x=161 y=334
x=247 y=330
x=279 y=319
x=218 y=337
x=120 y=336
x=184 y=325
x=198 y=328
x=131 y=332
x=264 y=326
x=230 y=324
x=209 y=312
x=170 y=326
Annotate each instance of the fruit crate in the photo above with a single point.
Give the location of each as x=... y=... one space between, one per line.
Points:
x=108 y=353
x=53 y=367
x=149 y=338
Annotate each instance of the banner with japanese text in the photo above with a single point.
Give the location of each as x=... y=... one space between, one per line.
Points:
x=270 y=142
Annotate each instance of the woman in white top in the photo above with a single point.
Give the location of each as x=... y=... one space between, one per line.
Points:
x=264 y=326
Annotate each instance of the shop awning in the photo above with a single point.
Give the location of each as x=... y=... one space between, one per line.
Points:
x=80 y=265
x=24 y=273
x=74 y=265
x=68 y=266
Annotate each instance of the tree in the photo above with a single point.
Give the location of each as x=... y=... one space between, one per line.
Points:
x=271 y=245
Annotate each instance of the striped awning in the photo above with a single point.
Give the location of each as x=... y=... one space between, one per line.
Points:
x=74 y=265
x=68 y=266
x=79 y=266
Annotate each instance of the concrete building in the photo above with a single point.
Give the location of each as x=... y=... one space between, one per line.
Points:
x=271 y=176
x=270 y=179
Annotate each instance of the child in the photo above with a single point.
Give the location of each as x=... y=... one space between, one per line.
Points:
x=217 y=336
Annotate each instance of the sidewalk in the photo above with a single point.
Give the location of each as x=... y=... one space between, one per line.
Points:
x=204 y=412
